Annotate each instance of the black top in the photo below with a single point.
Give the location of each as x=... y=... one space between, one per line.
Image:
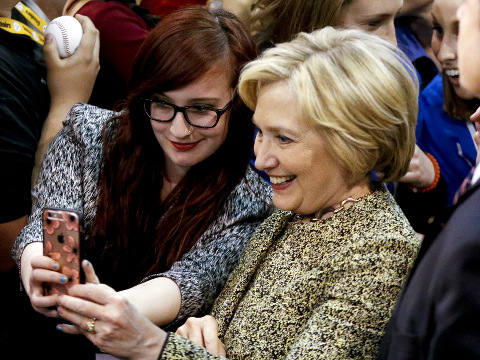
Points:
x=24 y=105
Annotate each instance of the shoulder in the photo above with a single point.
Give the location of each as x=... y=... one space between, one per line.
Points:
x=106 y=14
x=252 y=189
x=85 y=123
x=252 y=197
x=384 y=224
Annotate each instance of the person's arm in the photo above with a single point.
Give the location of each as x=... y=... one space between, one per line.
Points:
x=59 y=185
x=8 y=232
x=191 y=286
x=69 y=81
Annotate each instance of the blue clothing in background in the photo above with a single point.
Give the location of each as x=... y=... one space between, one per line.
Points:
x=448 y=140
x=409 y=44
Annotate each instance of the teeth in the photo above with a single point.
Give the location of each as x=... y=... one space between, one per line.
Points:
x=280 y=179
x=452 y=72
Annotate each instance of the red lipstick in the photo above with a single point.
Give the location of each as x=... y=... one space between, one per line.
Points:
x=184 y=146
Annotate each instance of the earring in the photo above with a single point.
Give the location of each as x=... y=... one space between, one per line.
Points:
x=189 y=131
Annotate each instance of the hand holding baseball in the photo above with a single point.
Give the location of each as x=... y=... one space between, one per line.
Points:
x=70 y=80
x=67 y=32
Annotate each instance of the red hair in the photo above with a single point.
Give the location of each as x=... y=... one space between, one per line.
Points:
x=134 y=233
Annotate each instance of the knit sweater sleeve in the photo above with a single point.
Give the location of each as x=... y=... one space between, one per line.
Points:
x=203 y=271
x=60 y=183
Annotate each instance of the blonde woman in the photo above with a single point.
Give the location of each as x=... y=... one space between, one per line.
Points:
x=320 y=276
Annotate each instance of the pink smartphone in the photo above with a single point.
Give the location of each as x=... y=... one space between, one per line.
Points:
x=62 y=235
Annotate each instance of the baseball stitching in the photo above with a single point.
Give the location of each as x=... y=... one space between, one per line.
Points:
x=66 y=43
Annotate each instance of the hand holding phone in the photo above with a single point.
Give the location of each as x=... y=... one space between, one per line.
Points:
x=62 y=236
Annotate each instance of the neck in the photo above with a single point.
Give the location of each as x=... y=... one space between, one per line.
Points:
x=344 y=201
x=172 y=175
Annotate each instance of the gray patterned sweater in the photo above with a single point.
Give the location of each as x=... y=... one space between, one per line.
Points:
x=69 y=177
x=317 y=290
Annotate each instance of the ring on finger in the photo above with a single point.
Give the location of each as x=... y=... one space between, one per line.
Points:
x=91 y=326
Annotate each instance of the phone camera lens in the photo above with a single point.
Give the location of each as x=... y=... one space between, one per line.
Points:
x=48 y=221
x=72 y=218
x=60 y=239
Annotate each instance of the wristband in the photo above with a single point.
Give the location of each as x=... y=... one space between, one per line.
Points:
x=436 y=179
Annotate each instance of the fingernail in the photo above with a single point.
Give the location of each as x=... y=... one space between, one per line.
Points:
x=63 y=279
x=59 y=328
x=87 y=263
x=48 y=38
x=55 y=266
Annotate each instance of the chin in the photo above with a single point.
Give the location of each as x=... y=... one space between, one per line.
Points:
x=463 y=93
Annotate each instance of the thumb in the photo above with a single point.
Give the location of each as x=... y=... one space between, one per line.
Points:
x=476 y=116
x=90 y=276
x=50 y=49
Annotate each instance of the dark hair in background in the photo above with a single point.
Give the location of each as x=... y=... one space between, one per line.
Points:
x=150 y=19
x=134 y=233
x=455 y=106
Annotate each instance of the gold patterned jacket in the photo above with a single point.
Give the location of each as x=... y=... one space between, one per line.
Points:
x=318 y=290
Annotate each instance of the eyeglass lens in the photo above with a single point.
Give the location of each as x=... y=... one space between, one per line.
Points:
x=198 y=116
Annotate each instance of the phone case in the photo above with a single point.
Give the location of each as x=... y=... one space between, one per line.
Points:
x=62 y=235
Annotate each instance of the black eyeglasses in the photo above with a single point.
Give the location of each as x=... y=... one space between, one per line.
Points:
x=200 y=116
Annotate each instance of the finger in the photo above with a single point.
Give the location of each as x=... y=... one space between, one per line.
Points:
x=80 y=321
x=221 y=350
x=69 y=329
x=192 y=330
x=91 y=36
x=44 y=262
x=49 y=276
x=476 y=138
x=50 y=50
x=476 y=116
x=50 y=301
x=409 y=177
x=80 y=307
x=210 y=336
x=98 y=293
x=90 y=276
x=195 y=335
x=182 y=331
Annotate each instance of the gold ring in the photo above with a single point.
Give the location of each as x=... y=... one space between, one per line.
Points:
x=91 y=326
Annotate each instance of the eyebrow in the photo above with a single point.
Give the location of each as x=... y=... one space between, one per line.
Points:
x=276 y=129
x=213 y=99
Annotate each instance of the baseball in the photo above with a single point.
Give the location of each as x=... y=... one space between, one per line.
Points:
x=67 y=32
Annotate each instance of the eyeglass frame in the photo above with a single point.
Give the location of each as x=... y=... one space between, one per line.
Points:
x=183 y=109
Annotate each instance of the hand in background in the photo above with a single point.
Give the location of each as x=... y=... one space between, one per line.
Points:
x=203 y=332
x=70 y=80
x=421 y=172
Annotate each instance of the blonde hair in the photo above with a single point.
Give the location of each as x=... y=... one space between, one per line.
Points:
x=358 y=90
x=281 y=20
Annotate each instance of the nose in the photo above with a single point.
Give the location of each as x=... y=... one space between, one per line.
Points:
x=388 y=33
x=448 y=49
x=180 y=127
x=460 y=11
x=265 y=158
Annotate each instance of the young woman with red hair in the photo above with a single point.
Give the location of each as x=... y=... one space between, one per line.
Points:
x=165 y=185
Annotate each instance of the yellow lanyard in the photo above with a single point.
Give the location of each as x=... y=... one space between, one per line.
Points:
x=17 y=27
x=31 y=16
